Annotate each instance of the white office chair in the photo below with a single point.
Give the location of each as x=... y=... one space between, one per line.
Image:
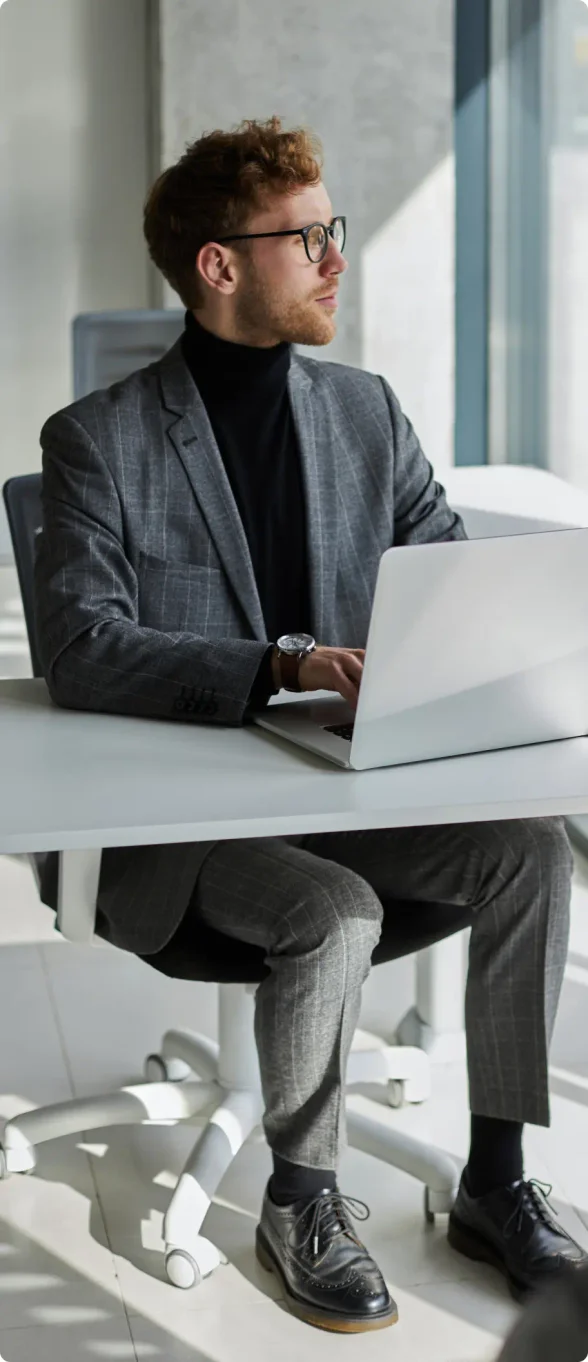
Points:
x=194 y=1077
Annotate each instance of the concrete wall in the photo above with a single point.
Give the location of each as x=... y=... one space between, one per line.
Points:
x=73 y=170
x=376 y=82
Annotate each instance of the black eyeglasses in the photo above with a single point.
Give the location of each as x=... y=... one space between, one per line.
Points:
x=315 y=237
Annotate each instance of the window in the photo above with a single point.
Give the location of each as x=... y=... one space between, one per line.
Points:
x=537 y=357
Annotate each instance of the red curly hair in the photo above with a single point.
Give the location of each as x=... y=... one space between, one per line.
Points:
x=215 y=186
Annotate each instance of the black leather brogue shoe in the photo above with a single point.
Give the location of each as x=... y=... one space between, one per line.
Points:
x=328 y=1276
x=514 y=1229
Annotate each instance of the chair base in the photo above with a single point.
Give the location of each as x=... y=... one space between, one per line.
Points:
x=227 y=1097
x=440 y=1047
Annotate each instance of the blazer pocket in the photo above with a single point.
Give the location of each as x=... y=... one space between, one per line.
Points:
x=185 y=598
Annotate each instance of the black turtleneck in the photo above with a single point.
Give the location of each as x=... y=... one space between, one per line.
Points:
x=244 y=389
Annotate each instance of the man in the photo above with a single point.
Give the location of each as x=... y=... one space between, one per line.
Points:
x=225 y=496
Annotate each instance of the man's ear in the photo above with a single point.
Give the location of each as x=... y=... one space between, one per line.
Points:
x=217 y=267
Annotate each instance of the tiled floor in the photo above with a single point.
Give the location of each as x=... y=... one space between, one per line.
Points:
x=80 y=1240
x=81 y=1273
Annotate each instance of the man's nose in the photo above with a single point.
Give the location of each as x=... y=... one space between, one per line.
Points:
x=334 y=261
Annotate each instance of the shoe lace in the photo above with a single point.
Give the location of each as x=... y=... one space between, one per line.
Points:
x=533 y=1199
x=328 y=1213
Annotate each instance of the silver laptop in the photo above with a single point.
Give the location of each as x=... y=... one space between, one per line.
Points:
x=473 y=645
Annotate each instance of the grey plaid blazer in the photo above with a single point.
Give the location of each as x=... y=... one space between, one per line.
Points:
x=146 y=602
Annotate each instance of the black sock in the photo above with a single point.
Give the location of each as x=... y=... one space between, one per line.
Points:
x=496 y=1154
x=291 y=1182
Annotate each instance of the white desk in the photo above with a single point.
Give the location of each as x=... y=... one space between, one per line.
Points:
x=86 y=781
x=90 y=780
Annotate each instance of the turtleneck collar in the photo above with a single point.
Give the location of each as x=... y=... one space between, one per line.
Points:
x=210 y=357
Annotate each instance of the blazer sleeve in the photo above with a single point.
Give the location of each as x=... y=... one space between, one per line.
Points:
x=421 y=512
x=95 y=654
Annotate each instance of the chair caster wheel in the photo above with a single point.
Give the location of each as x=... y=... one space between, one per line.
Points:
x=429 y=1214
x=160 y=1070
x=182 y=1270
x=186 y=1269
x=396 y=1093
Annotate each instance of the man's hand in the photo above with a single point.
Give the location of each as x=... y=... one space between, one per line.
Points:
x=339 y=669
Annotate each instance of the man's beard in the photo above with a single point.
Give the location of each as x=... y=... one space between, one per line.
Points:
x=261 y=313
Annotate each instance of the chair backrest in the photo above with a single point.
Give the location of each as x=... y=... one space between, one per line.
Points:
x=107 y=346
x=22 y=499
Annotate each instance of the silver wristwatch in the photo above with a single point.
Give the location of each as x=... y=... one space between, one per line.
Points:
x=292 y=648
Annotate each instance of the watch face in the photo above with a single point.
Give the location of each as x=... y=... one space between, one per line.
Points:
x=295 y=643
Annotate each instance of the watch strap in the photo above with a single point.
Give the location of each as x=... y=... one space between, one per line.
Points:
x=289 y=668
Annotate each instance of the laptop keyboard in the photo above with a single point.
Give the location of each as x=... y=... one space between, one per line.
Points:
x=340 y=730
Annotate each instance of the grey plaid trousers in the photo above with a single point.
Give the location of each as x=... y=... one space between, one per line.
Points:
x=315 y=903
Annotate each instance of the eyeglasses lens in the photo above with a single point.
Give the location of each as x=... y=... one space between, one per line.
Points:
x=317 y=242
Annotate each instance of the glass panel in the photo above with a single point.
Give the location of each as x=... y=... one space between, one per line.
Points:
x=539 y=235
x=568 y=246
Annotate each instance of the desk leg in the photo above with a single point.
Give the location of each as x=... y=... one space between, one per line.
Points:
x=436 y=1023
x=79 y=872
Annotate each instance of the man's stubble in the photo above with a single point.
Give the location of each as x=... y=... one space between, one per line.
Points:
x=261 y=311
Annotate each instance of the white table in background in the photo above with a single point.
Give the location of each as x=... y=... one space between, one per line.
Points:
x=496 y=499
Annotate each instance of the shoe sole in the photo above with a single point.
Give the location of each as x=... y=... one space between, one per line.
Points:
x=474 y=1246
x=312 y=1315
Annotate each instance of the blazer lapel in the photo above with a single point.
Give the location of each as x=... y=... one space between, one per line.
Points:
x=317 y=457
x=191 y=433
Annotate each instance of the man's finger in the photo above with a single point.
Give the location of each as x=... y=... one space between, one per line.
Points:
x=345 y=687
x=353 y=669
